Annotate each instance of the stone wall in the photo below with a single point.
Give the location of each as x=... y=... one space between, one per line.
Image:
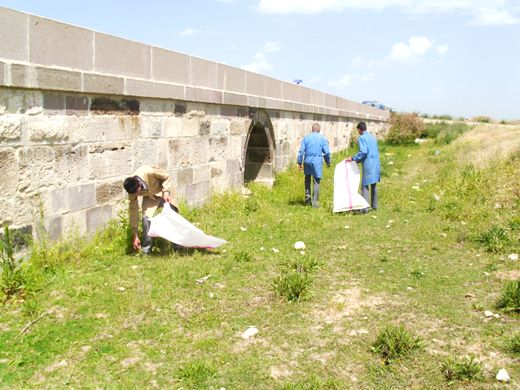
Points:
x=81 y=110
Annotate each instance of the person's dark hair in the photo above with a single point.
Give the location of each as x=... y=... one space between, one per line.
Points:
x=131 y=184
x=362 y=126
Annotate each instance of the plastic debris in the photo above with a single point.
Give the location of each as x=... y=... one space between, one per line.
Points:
x=299 y=245
x=250 y=332
x=503 y=376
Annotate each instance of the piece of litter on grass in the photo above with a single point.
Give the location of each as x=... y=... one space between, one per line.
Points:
x=416 y=188
x=496 y=315
x=299 y=245
x=469 y=295
x=387 y=226
x=488 y=314
x=381 y=271
x=486 y=273
x=250 y=332
x=135 y=266
x=390 y=163
x=409 y=288
x=203 y=279
x=436 y=197
x=212 y=295
x=302 y=253
x=243 y=228
x=513 y=256
x=503 y=376
x=409 y=155
x=275 y=250
x=374 y=216
x=121 y=288
x=347 y=227
x=444 y=235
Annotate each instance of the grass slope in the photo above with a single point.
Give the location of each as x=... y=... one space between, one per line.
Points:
x=105 y=319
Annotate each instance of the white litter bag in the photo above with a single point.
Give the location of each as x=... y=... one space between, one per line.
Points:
x=346 y=184
x=173 y=227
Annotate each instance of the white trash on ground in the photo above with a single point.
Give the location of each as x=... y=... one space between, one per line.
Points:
x=173 y=227
x=299 y=245
x=250 y=332
x=502 y=375
x=346 y=184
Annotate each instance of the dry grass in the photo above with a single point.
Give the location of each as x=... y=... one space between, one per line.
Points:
x=487 y=143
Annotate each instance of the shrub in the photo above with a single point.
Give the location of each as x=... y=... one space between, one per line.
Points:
x=482 y=119
x=394 y=342
x=292 y=285
x=495 y=239
x=304 y=264
x=13 y=278
x=513 y=345
x=510 y=298
x=404 y=129
x=196 y=373
x=462 y=370
x=242 y=256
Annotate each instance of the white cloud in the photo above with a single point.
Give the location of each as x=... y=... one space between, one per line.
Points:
x=188 y=31
x=416 y=47
x=259 y=64
x=442 y=49
x=270 y=47
x=481 y=12
x=348 y=79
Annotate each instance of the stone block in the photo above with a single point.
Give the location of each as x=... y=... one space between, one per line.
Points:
x=199 y=150
x=203 y=95
x=25 y=76
x=184 y=177
x=170 y=66
x=53 y=103
x=36 y=168
x=151 y=127
x=144 y=152
x=229 y=111
x=201 y=173
x=162 y=152
x=69 y=164
x=205 y=126
x=231 y=79
x=252 y=101
x=203 y=73
x=273 y=88
x=76 y=105
x=2 y=73
x=218 y=169
x=54 y=227
x=305 y=95
x=74 y=223
x=234 y=99
x=122 y=57
x=218 y=148
x=219 y=127
x=157 y=106
x=95 y=83
x=14 y=41
x=51 y=129
x=154 y=89
x=98 y=218
x=9 y=171
x=58 y=44
x=196 y=194
x=291 y=92
x=110 y=160
x=10 y=129
x=330 y=101
x=67 y=199
x=233 y=166
x=255 y=84
x=236 y=146
x=272 y=104
x=317 y=98
x=288 y=106
x=238 y=127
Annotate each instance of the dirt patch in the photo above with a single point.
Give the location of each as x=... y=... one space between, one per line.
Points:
x=279 y=372
x=508 y=275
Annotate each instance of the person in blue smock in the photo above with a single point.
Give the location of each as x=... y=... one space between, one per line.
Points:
x=368 y=155
x=313 y=150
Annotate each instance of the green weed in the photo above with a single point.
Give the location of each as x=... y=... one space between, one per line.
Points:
x=394 y=342
x=495 y=240
x=196 y=373
x=513 y=345
x=13 y=277
x=510 y=299
x=292 y=285
x=404 y=129
x=462 y=370
x=242 y=256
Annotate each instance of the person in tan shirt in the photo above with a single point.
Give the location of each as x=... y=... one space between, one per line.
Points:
x=153 y=184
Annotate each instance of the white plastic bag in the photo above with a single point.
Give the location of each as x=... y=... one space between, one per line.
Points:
x=173 y=227
x=346 y=184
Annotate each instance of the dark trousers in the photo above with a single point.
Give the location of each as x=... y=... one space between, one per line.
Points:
x=373 y=195
x=315 y=192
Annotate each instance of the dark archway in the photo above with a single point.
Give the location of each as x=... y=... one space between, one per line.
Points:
x=259 y=150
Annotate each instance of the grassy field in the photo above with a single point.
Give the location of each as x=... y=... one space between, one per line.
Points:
x=418 y=273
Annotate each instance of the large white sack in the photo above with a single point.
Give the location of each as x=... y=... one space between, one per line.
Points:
x=346 y=184
x=173 y=227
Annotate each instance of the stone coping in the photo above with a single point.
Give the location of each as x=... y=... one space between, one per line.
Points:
x=40 y=53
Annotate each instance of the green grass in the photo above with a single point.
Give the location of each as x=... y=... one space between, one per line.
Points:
x=98 y=317
x=462 y=370
x=509 y=300
x=394 y=342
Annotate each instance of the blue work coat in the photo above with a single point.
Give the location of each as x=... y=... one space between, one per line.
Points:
x=368 y=155
x=313 y=150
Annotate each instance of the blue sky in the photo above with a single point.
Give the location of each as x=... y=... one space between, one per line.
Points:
x=457 y=57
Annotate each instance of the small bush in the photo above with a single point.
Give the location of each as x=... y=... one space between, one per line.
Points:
x=510 y=298
x=292 y=285
x=462 y=370
x=482 y=119
x=251 y=206
x=196 y=373
x=445 y=133
x=13 y=278
x=404 y=129
x=394 y=342
x=514 y=223
x=495 y=239
x=304 y=264
x=513 y=345
x=242 y=257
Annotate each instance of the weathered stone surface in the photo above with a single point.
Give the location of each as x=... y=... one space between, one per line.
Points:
x=235 y=99
x=45 y=78
x=255 y=84
x=51 y=129
x=108 y=192
x=110 y=160
x=184 y=177
x=196 y=194
x=218 y=169
x=8 y=171
x=232 y=166
x=144 y=152
x=2 y=73
x=98 y=217
x=76 y=105
x=170 y=66
x=70 y=198
x=238 y=127
x=203 y=73
x=203 y=95
x=273 y=88
x=14 y=101
x=151 y=127
x=36 y=168
x=218 y=148
x=58 y=44
x=14 y=44
x=291 y=92
x=231 y=79
x=201 y=173
x=219 y=127
x=95 y=83
x=236 y=146
x=121 y=57
x=154 y=89
x=10 y=129
x=54 y=227
x=75 y=223
x=70 y=164
x=53 y=103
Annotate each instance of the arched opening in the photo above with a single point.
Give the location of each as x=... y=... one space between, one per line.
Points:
x=259 y=150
